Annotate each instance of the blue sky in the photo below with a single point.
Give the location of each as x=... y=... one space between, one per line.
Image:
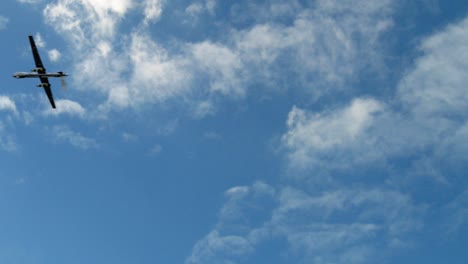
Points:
x=325 y=131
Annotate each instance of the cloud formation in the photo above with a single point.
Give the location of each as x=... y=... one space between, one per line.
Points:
x=417 y=138
x=325 y=46
x=3 y=22
x=66 y=107
x=339 y=226
x=6 y=104
x=430 y=114
x=29 y=1
x=75 y=139
x=343 y=135
x=54 y=55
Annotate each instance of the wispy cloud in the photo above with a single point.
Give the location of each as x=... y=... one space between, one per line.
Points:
x=209 y=249
x=232 y=240
x=7 y=141
x=40 y=43
x=425 y=125
x=153 y=10
x=155 y=150
x=65 y=134
x=66 y=107
x=199 y=8
x=54 y=55
x=6 y=104
x=457 y=212
x=29 y=1
x=3 y=22
x=327 y=228
x=315 y=138
x=129 y=137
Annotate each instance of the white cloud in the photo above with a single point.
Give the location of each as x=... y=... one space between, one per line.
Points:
x=156 y=150
x=352 y=225
x=457 y=212
x=54 y=55
x=208 y=249
x=128 y=137
x=211 y=135
x=340 y=226
x=217 y=68
x=6 y=104
x=428 y=118
x=222 y=65
x=198 y=8
x=233 y=238
x=66 y=107
x=40 y=43
x=29 y=1
x=210 y=6
x=237 y=191
x=159 y=75
x=436 y=86
x=194 y=9
x=425 y=126
x=203 y=109
x=3 y=22
x=314 y=138
x=86 y=21
x=153 y=10
x=7 y=141
x=65 y=134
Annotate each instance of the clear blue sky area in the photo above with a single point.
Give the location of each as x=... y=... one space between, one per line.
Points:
x=207 y=131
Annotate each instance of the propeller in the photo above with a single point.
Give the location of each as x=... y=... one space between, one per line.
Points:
x=64 y=83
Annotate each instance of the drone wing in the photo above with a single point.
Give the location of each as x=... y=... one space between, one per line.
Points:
x=48 y=91
x=40 y=69
x=37 y=59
